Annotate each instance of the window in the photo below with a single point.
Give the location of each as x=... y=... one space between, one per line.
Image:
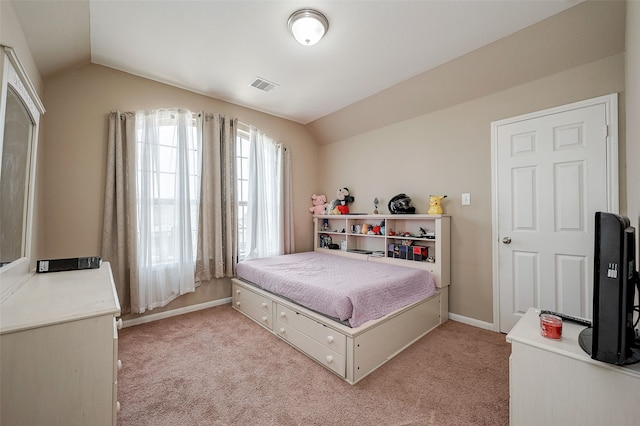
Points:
x=267 y=222
x=264 y=223
x=161 y=206
x=168 y=169
x=242 y=179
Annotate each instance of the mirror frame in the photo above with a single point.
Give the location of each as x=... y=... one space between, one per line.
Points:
x=16 y=273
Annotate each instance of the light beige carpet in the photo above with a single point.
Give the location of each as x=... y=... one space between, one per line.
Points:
x=217 y=367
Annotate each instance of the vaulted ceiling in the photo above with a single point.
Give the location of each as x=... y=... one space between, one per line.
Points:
x=217 y=48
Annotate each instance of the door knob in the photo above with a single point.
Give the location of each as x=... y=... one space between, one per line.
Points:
x=506 y=240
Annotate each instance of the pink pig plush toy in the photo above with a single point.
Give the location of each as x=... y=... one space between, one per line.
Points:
x=319 y=204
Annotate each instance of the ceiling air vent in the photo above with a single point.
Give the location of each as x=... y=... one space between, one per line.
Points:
x=262 y=84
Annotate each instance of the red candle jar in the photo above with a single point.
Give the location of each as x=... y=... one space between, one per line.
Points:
x=550 y=326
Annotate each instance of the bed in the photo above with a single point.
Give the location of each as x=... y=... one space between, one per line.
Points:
x=348 y=313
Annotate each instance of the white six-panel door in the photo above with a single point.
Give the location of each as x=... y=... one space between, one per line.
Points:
x=552 y=172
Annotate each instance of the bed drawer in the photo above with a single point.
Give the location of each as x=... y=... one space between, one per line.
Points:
x=330 y=359
x=255 y=306
x=242 y=294
x=322 y=334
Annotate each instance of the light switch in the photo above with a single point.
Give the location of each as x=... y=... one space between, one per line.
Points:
x=466 y=199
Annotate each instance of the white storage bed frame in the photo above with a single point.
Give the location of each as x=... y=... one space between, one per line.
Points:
x=351 y=353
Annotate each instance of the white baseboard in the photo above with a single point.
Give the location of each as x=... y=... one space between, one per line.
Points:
x=174 y=312
x=471 y=321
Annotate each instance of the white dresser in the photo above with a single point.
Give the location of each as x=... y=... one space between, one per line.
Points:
x=554 y=382
x=59 y=350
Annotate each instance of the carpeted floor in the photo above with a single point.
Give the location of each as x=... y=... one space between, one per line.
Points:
x=217 y=367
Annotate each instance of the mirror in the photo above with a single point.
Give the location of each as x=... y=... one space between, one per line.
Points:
x=20 y=110
x=14 y=169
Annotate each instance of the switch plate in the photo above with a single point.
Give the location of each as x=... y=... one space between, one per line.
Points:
x=466 y=199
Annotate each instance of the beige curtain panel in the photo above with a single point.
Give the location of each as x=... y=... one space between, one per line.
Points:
x=217 y=242
x=119 y=224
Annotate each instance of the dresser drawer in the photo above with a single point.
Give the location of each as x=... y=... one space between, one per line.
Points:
x=322 y=334
x=325 y=356
x=255 y=306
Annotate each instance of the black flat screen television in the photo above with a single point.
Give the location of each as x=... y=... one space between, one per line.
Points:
x=613 y=337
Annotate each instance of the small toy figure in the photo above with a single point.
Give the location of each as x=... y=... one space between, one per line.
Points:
x=325 y=240
x=375 y=205
x=435 y=204
x=427 y=234
x=319 y=204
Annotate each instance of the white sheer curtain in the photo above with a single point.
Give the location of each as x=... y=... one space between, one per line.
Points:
x=269 y=207
x=167 y=194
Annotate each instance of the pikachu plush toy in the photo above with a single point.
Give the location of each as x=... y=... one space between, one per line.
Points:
x=435 y=204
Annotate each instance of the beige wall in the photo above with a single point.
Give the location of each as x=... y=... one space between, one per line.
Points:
x=449 y=152
x=584 y=33
x=431 y=134
x=78 y=103
x=11 y=35
x=436 y=143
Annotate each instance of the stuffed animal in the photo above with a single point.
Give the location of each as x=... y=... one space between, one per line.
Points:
x=319 y=204
x=340 y=204
x=435 y=204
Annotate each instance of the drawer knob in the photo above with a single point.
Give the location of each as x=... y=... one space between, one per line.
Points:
x=282 y=330
x=283 y=314
x=329 y=359
x=330 y=339
x=264 y=304
x=119 y=365
x=237 y=291
x=119 y=323
x=264 y=319
x=237 y=303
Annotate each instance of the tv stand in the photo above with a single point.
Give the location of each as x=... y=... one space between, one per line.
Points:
x=557 y=382
x=585 y=339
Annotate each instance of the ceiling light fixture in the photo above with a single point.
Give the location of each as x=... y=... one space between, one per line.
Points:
x=308 y=26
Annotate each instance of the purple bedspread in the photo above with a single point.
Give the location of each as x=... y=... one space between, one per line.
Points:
x=340 y=287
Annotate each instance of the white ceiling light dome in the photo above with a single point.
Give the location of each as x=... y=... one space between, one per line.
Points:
x=308 y=26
